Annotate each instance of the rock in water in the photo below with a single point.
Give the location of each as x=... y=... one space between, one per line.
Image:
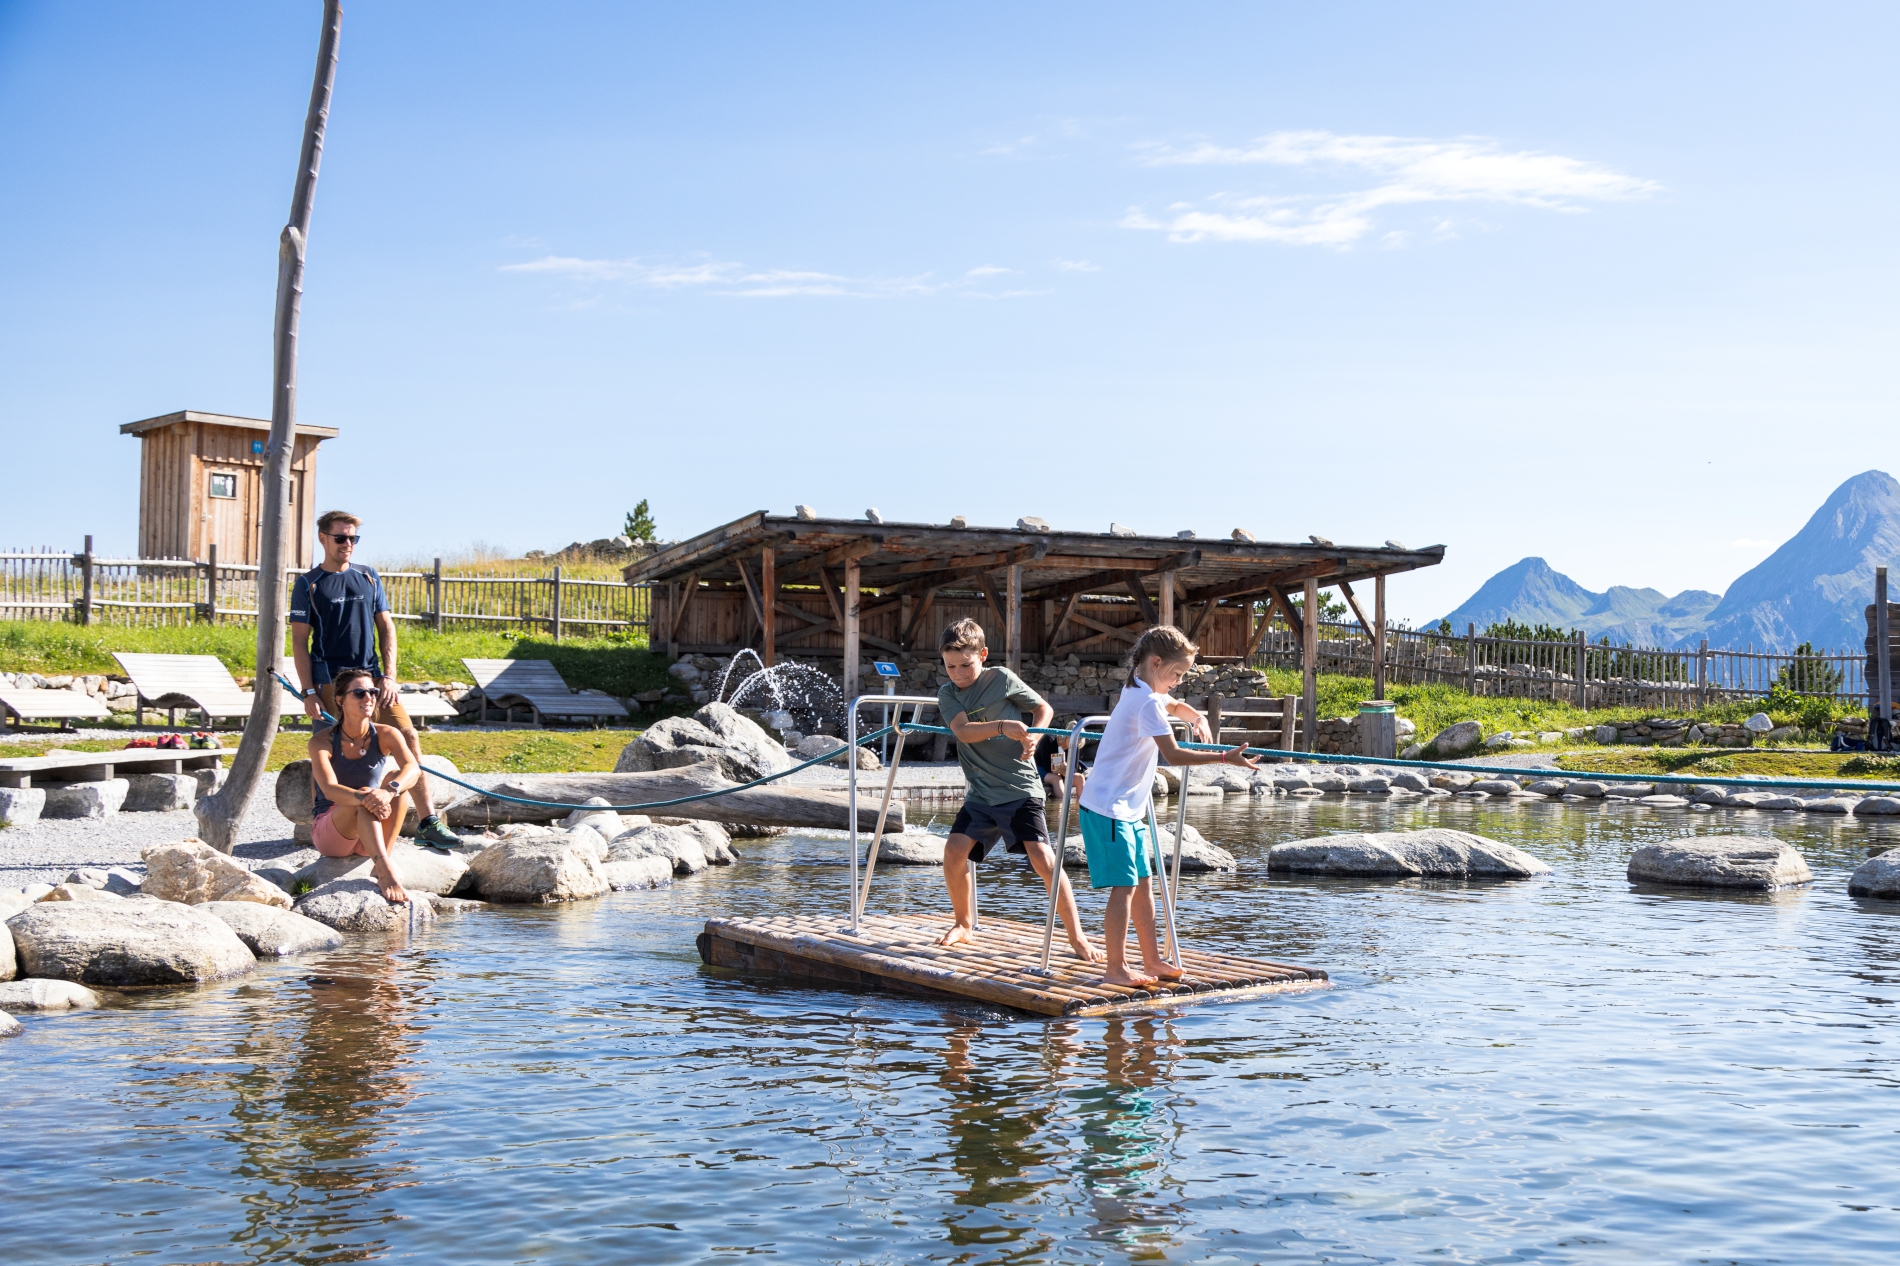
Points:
x=1878 y=876
x=192 y=872
x=637 y=872
x=1434 y=853
x=595 y=813
x=10 y=1027
x=1455 y=740
x=688 y=848
x=537 y=871
x=356 y=904
x=9 y=957
x=416 y=868
x=123 y=944
x=273 y=933
x=818 y=744
x=746 y=744
x=1198 y=856
x=1496 y=786
x=25 y=996
x=1721 y=861
x=911 y=848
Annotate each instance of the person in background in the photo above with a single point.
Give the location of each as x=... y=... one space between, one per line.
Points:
x=338 y=615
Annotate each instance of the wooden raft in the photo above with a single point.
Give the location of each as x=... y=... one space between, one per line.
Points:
x=900 y=952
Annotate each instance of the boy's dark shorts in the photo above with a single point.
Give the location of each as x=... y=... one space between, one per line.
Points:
x=1014 y=823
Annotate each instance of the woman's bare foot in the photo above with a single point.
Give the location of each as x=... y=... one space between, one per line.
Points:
x=957 y=935
x=1084 y=951
x=1131 y=979
x=392 y=888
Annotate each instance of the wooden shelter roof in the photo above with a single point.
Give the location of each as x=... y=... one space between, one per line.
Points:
x=919 y=556
x=218 y=419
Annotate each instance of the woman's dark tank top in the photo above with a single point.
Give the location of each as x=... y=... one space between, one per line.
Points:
x=351 y=771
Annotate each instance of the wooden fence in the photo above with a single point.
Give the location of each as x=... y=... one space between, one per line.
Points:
x=48 y=584
x=1610 y=676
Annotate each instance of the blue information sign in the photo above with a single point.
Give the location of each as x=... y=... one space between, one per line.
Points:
x=885 y=668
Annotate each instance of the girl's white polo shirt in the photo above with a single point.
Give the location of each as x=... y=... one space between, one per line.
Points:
x=1121 y=782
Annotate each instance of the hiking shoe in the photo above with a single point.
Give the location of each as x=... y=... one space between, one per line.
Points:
x=433 y=833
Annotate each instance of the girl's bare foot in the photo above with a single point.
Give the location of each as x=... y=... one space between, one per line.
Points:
x=1131 y=979
x=1084 y=951
x=957 y=935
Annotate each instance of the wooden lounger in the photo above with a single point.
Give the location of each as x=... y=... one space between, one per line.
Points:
x=184 y=681
x=23 y=705
x=422 y=705
x=534 y=683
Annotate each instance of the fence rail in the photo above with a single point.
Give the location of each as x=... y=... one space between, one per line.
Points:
x=49 y=584
x=1589 y=674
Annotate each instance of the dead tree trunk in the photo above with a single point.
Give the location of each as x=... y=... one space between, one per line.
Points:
x=220 y=813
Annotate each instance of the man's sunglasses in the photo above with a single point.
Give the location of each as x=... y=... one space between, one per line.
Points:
x=344 y=540
x=359 y=693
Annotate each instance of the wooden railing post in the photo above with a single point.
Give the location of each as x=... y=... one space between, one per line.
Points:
x=435 y=596
x=85 y=584
x=1702 y=674
x=211 y=583
x=1471 y=659
x=1883 y=662
x=557 y=602
x=1583 y=670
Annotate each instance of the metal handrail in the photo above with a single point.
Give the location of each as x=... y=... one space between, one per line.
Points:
x=1058 y=873
x=851 y=740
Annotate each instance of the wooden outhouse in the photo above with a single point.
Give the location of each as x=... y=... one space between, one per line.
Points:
x=199 y=481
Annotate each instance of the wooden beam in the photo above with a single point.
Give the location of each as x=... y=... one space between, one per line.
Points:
x=689 y=589
x=832 y=557
x=1200 y=621
x=1102 y=630
x=1103 y=580
x=909 y=639
x=937 y=571
x=1358 y=614
x=1148 y=613
x=1287 y=613
x=1068 y=609
x=1378 y=639
x=990 y=586
x=851 y=647
x=1013 y=624
x=1258 y=584
x=831 y=595
x=1259 y=633
x=1166 y=613
x=768 y=616
x=753 y=600
x=1309 y=666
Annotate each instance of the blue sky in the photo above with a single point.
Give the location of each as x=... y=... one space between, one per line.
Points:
x=1608 y=284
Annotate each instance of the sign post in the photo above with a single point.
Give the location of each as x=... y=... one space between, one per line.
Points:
x=889 y=672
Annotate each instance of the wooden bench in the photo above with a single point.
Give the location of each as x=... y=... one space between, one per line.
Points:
x=99 y=766
x=64 y=706
x=1271 y=722
x=535 y=685
x=172 y=682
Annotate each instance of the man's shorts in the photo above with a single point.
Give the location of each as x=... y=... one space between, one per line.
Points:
x=1118 y=851
x=1015 y=823
x=393 y=716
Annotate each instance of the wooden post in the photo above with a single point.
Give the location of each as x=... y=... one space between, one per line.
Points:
x=1471 y=659
x=85 y=588
x=557 y=602
x=1702 y=674
x=211 y=583
x=1167 y=597
x=851 y=650
x=1883 y=665
x=672 y=619
x=435 y=596
x=1309 y=666
x=1013 y=636
x=1583 y=669
x=1378 y=637
x=768 y=606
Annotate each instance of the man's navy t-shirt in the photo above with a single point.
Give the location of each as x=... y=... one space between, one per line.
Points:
x=340 y=607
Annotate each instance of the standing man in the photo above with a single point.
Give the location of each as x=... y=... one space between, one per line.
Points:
x=338 y=614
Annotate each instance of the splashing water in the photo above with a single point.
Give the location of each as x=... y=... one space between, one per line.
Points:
x=799 y=696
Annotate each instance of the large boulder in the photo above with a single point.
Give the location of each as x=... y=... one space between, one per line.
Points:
x=355 y=903
x=911 y=848
x=21 y=806
x=755 y=752
x=1433 y=853
x=295 y=795
x=813 y=746
x=26 y=996
x=192 y=872
x=85 y=799
x=417 y=869
x=1198 y=855
x=9 y=957
x=116 y=880
x=1720 y=861
x=540 y=870
x=159 y=793
x=127 y=943
x=272 y=933
x=282 y=869
x=689 y=847
x=1878 y=876
x=10 y=1027
x=637 y=872
x=596 y=813
x=1455 y=740
x=717 y=735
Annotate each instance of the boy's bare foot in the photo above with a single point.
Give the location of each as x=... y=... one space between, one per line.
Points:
x=957 y=935
x=1168 y=972
x=1084 y=951
x=1131 y=979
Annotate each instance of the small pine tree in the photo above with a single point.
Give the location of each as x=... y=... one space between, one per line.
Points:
x=1808 y=673
x=640 y=524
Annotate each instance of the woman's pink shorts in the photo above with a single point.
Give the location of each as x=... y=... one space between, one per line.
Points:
x=326 y=839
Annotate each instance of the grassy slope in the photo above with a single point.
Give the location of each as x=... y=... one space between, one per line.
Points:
x=490 y=752
x=1716 y=762
x=619 y=666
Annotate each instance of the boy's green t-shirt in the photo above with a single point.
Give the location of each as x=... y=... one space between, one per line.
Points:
x=996 y=768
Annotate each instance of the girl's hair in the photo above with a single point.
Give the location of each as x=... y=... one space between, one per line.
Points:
x=1164 y=640
x=963 y=635
x=342 y=680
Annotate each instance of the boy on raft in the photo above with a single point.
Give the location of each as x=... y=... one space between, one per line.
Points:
x=991 y=710
x=1120 y=789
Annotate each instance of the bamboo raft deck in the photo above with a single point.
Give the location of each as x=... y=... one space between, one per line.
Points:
x=900 y=952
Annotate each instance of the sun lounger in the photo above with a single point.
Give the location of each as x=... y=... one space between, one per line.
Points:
x=63 y=706
x=423 y=706
x=511 y=683
x=184 y=681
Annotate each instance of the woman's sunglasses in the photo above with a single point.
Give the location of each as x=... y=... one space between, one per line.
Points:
x=359 y=693
x=345 y=540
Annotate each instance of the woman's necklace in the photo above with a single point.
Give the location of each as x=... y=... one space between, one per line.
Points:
x=360 y=744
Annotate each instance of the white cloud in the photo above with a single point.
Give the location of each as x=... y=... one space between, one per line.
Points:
x=1077 y=266
x=988 y=270
x=1406 y=171
x=732 y=278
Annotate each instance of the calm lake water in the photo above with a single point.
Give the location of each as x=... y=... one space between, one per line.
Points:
x=1560 y=1070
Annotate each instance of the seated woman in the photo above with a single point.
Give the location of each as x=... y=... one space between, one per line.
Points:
x=362 y=776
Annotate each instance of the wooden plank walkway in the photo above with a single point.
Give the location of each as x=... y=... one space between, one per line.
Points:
x=899 y=952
